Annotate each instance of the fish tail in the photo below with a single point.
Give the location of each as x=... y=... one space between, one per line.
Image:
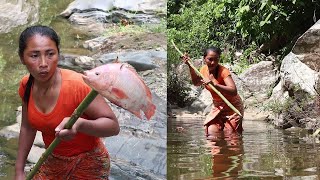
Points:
x=149 y=110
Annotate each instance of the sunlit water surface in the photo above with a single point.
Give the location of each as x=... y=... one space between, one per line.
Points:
x=261 y=152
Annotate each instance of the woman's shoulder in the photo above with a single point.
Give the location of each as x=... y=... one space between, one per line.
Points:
x=70 y=75
x=203 y=69
x=224 y=71
x=73 y=79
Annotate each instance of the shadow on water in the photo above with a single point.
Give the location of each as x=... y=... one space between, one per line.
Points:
x=261 y=152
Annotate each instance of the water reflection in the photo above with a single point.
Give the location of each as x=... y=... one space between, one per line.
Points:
x=261 y=152
x=227 y=152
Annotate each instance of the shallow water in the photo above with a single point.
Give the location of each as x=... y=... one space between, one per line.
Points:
x=261 y=152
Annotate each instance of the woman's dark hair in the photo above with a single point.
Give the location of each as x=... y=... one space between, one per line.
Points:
x=24 y=37
x=216 y=50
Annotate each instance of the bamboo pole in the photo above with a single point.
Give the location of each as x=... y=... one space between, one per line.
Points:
x=316 y=132
x=210 y=85
x=76 y=114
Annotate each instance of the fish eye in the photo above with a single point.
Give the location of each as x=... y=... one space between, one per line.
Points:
x=97 y=73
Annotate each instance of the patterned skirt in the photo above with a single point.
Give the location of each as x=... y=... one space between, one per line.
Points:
x=94 y=164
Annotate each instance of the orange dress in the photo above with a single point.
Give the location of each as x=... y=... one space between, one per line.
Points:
x=221 y=111
x=73 y=91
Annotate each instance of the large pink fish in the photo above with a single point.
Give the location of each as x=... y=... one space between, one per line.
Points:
x=121 y=85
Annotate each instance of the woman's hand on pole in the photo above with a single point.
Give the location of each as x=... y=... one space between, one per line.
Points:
x=185 y=58
x=211 y=80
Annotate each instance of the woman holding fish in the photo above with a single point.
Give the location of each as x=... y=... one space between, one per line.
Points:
x=221 y=117
x=49 y=97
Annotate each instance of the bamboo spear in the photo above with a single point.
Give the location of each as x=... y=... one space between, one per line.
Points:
x=210 y=85
x=316 y=132
x=76 y=114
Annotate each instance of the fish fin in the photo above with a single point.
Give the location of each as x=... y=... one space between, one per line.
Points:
x=116 y=60
x=119 y=93
x=137 y=113
x=121 y=66
x=128 y=66
x=149 y=110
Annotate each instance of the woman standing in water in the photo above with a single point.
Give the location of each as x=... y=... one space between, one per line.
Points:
x=49 y=97
x=221 y=117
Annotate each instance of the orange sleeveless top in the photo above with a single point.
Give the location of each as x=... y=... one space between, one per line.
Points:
x=222 y=74
x=73 y=91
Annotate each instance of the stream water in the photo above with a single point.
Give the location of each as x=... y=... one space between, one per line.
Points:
x=262 y=152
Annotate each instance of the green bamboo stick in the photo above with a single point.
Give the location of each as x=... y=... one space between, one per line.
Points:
x=76 y=114
x=210 y=85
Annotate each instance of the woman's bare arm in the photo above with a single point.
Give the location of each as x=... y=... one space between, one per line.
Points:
x=229 y=88
x=26 y=138
x=103 y=122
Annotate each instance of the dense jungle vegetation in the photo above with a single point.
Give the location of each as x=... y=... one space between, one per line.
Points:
x=254 y=28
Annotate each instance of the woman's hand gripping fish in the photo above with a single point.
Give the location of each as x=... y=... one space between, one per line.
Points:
x=121 y=85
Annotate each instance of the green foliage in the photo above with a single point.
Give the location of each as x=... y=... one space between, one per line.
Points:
x=238 y=23
x=136 y=29
x=248 y=26
x=279 y=107
x=156 y=28
x=179 y=91
x=297 y=106
x=2 y=62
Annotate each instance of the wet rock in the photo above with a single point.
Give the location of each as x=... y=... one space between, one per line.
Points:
x=146 y=6
x=67 y=61
x=82 y=5
x=140 y=60
x=90 y=17
x=121 y=169
x=10 y=131
x=141 y=143
x=86 y=18
x=16 y=13
x=135 y=18
x=35 y=154
x=201 y=103
x=95 y=44
x=13 y=130
x=85 y=62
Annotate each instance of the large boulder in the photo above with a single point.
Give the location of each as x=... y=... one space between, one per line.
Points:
x=297 y=74
x=16 y=13
x=141 y=60
x=146 y=6
x=82 y=5
x=299 y=82
x=260 y=79
x=93 y=16
x=203 y=104
x=100 y=12
x=299 y=69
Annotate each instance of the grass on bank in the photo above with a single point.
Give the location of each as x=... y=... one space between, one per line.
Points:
x=119 y=29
